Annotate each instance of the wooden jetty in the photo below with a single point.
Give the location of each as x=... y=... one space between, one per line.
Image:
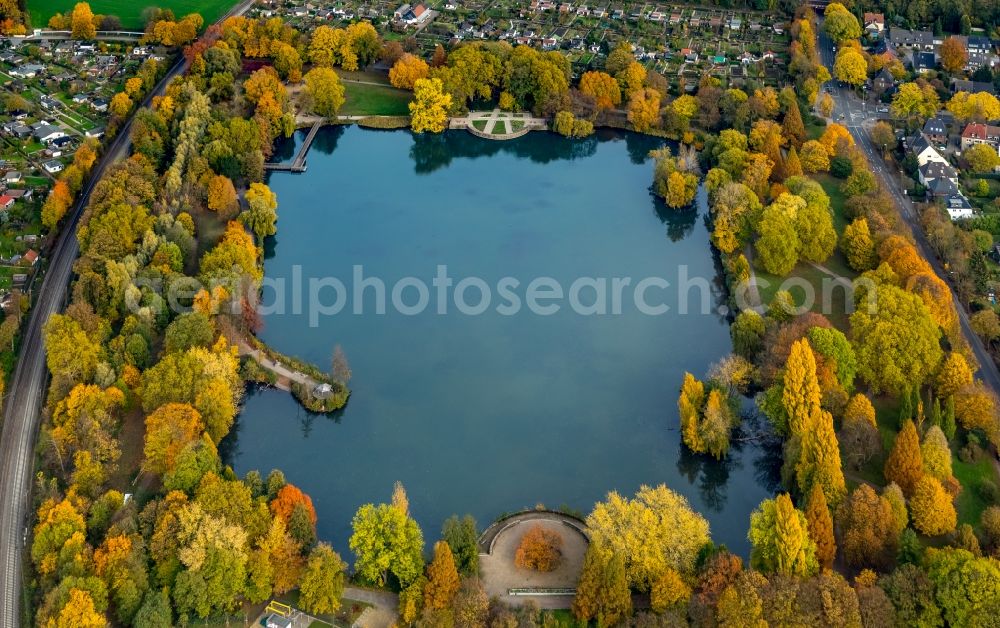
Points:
x=299 y=163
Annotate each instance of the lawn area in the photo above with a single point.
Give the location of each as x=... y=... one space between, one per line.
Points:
x=831 y=185
x=829 y=296
x=500 y=128
x=129 y=11
x=375 y=100
x=970 y=504
x=480 y=125
x=517 y=125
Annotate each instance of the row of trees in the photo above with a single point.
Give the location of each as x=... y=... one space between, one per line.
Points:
x=121 y=355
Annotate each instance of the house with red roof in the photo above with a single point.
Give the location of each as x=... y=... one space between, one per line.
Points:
x=975 y=133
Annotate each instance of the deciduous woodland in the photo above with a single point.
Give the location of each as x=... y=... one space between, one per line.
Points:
x=870 y=408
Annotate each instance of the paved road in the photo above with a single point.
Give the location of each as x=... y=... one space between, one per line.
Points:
x=858 y=119
x=383 y=612
x=27 y=387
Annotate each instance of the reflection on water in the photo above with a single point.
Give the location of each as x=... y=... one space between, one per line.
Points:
x=491 y=413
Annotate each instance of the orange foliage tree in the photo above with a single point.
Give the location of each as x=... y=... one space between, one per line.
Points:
x=287 y=498
x=540 y=549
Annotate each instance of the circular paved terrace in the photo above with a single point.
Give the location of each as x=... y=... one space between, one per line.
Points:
x=499 y=125
x=499 y=543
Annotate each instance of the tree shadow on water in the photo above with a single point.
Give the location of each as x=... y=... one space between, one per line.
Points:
x=679 y=222
x=431 y=152
x=326 y=139
x=710 y=475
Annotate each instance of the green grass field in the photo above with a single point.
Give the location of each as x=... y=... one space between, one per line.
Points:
x=129 y=11
x=375 y=100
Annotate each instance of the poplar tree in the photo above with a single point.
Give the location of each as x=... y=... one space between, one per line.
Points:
x=801 y=393
x=792 y=126
x=821 y=527
x=793 y=167
x=905 y=464
x=780 y=538
x=689 y=404
x=819 y=461
x=442 y=578
x=932 y=508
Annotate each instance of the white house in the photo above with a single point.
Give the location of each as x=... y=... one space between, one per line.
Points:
x=958 y=207
x=53 y=166
x=925 y=152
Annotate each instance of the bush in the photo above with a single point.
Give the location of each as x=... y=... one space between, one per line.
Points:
x=987 y=490
x=540 y=549
x=841 y=167
x=385 y=122
x=971 y=453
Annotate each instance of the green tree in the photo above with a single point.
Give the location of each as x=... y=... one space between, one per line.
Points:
x=322 y=582
x=778 y=244
x=190 y=329
x=463 y=539
x=261 y=216
x=386 y=540
x=780 y=538
x=747 y=332
x=965 y=586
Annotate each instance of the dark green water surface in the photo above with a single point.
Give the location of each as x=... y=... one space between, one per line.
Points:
x=491 y=413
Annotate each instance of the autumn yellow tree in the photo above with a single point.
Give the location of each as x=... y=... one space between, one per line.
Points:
x=429 y=109
x=780 y=538
x=56 y=204
x=833 y=136
x=602 y=87
x=800 y=394
x=689 y=404
x=631 y=78
x=850 y=67
x=442 y=578
x=858 y=246
x=821 y=527
x=324 y=92
x=83 y=22
x=668 y=590
x=222 y=196
x=954 y=375
x=978 y=107
x=953 y=54
x=407 y=71
x=169 y=429
x=814 y=157
x=120 y=105
x=904 y=465
x=656 y=530
x=644 y=109
x=860 y=408
x=931 y=507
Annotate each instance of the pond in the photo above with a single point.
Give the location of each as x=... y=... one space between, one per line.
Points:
x=489 y=408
